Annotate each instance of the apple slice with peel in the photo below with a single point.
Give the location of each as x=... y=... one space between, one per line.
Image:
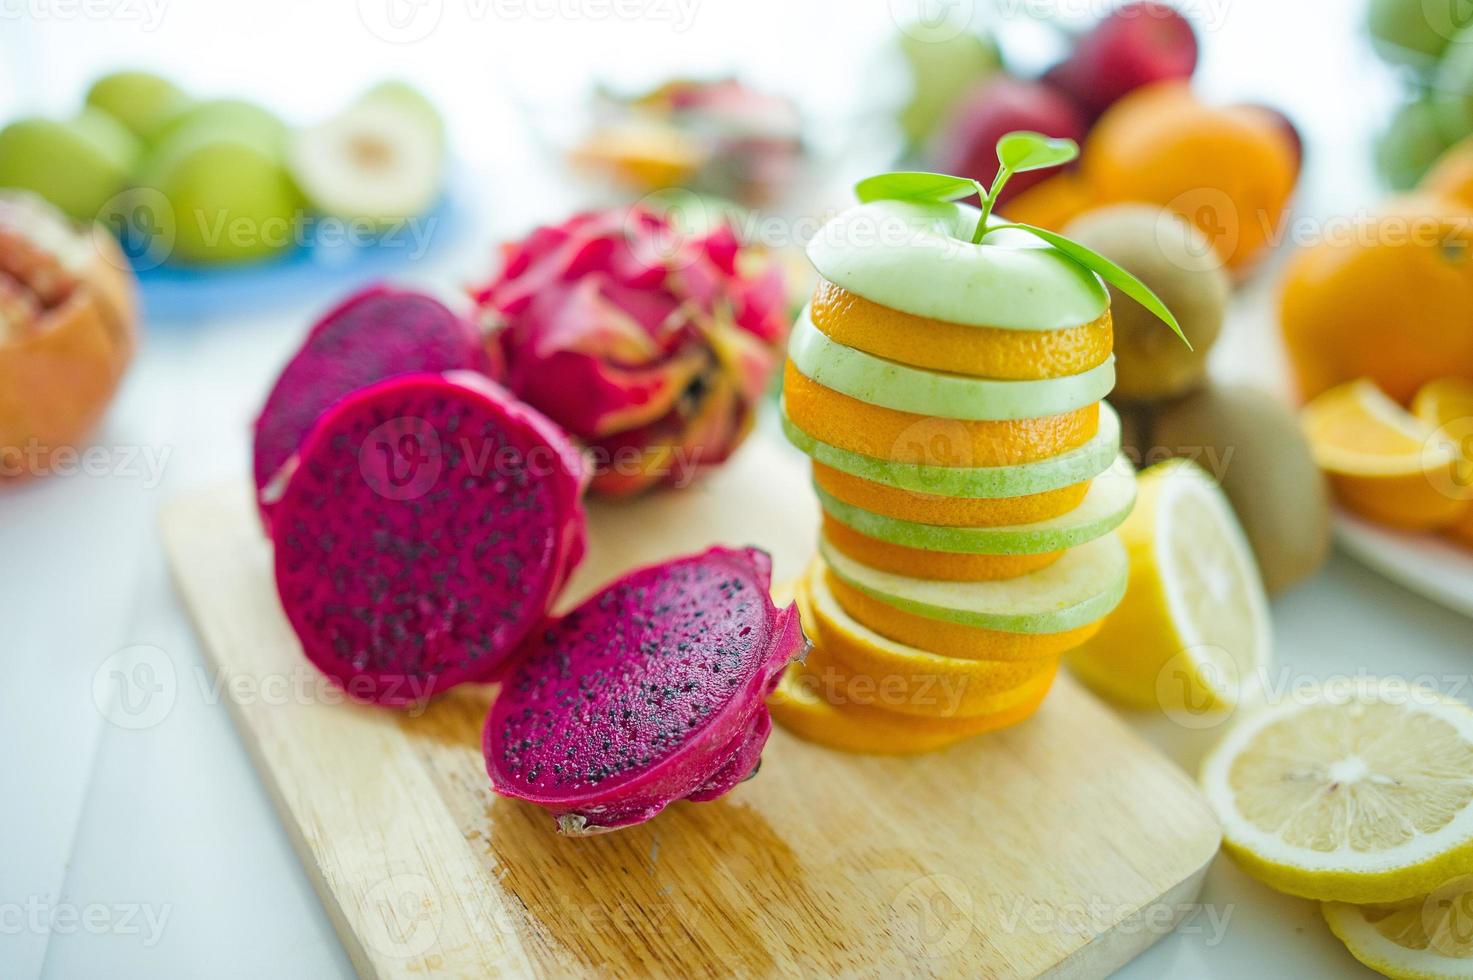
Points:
x=379 y=161
x=890 y=384
x=1075 y=466
x=1079 y=588
x=1108 y=502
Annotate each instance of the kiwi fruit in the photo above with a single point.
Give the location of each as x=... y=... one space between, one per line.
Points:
x=1176 y=261
x=1253 y=445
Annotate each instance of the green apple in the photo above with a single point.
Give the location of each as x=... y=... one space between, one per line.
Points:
x=1106 y=504
x=1410 y=143
x=1079 y=588
x=230 y=198
x=941 y=71
x=139 y=100
x=1066 y=469
x=890 y=384
x=919 y=258
x=400 y=93
x=236 y=118
x=378 y=161
x=1452 y=93
x=77 y=165
x=1412 y=32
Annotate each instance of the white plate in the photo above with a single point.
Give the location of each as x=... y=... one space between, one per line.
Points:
x=1438 y=569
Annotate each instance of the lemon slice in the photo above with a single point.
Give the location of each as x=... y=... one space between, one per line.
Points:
x=1192 y=633
x=1426 y=938
x=1358 y=792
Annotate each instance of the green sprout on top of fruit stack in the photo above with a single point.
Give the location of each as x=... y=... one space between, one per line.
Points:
x=1016 y=152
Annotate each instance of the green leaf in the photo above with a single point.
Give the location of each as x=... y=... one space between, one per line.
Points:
x=1023 y=150
x=1108 y=271
x=915 y=185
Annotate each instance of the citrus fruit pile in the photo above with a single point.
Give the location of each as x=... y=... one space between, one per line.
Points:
x=1359 y=793
x=948 y=395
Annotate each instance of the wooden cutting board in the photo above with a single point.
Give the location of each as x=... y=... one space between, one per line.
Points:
x=1061 y=846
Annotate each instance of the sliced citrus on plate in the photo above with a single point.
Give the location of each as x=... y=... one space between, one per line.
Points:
x=1359 y=792
x=1447 y=403
x=1192 y=633
x=1383 y=462
x=1425 y=938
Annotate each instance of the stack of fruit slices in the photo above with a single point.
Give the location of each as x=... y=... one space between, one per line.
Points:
x=969 y=476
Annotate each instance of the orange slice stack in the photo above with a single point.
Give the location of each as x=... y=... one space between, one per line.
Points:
x=970 y=481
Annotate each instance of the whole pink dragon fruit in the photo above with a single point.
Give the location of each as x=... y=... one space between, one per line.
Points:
x=426 y=525
x=649 y=344
x=376 y=333
x=651 y=691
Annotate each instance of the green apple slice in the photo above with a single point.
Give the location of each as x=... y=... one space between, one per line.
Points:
x=1075 y=466
x=904 y=388
x=1104 y=507
x=1079 y=588
x=919 y=258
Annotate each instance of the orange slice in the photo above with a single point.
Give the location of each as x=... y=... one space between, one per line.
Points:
x=1447 y=403
x=985 y=352
x=870 y=430
x=900 y=678
x=949 y=639
x=801 y=704
x=918 y=563
x=926 y=508
x=1382 y=461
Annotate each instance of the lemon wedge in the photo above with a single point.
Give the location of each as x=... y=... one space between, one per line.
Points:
x=1192 y=634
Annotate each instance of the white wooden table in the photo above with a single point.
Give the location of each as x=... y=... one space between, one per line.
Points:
x=153 y=851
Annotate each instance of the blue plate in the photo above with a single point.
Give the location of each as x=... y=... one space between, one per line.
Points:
x=179 y=294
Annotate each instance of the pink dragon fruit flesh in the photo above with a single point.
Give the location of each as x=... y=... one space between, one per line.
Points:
x=651 y=691
x=427 y=524
x=649 y=343
x=375 y=334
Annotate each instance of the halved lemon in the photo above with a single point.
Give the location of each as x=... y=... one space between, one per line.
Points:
x=1360 y=791
x=1382 y=461
x=1447 y=403
x=1192 y=633
x=1426 y=938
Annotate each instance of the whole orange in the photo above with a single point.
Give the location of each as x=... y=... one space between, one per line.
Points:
x=1229 y=170
x=1388 y=297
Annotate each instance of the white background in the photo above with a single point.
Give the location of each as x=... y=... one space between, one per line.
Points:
x=172 y=818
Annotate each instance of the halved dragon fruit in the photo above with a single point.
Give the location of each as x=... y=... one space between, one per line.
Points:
x=651 y=691
x=426 y=525
x=374 y=334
